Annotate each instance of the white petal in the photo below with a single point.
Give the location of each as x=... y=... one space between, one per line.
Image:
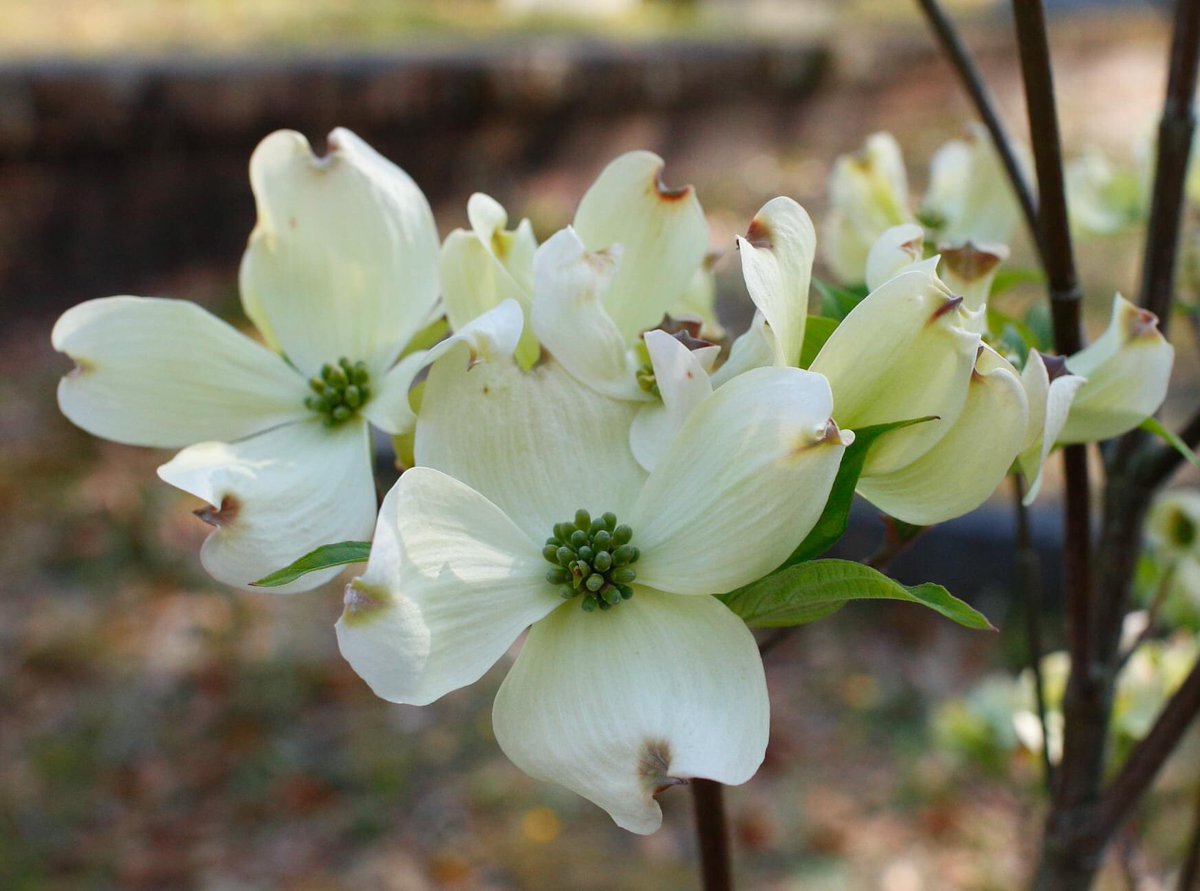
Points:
x=278 y=496
x=1127 y=368
x=540 y=445
x=620 y=705
x=904 y=352
x=570 y=319
x=388 y=408
x=683 y=384
x=868 y=194
x=662 y=233
x=491 y=337
x=777 y=258
x=969 y=191
x=965 y=466
x=895 y=250
x=1049 y=404
x=754 y=348
x=483 y=267
x=742 y=484
x=166 y=373
x=343 y=261
x=450 y=585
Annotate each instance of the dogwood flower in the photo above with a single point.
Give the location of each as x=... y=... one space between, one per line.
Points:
x=533 y=512
x=339 y=274
x=656 y=241
x=968 y=200
x=1127 y=368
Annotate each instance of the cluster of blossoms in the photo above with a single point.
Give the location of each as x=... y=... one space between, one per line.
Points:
x=589 y=462
x=998 y=717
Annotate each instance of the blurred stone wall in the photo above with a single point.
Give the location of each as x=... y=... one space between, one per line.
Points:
x=115 y=173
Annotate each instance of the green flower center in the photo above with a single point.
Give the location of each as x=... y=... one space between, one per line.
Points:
x=339 y=391
x=593 y=559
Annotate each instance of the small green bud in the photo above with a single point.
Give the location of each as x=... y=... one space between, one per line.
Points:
x=586 y=554
x=352 y=396
x=557 y=576
x=610 y=521
x=582 y=519
x=578 y=538
x=341 y=413
x=622 y=534
x=602 y=540
x=602 y=561
x=624 y=576
x=550 y=552
x=361 y=375
x=612 y=596
x=626 y=591
x=623 y=555
x=564 y=555
x=594 y=582
x=566 y=592
x=588 y=605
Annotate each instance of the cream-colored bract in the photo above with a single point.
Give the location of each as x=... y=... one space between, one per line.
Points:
x=905 y=352
x=1127 y=368
x=618 y=704
x=966 y=464
x=342 y=263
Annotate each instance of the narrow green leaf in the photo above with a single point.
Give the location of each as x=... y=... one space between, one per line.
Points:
x=340 y=554
x=816 y=331
x=809 y=591
x=1155 y=426
x=832 y=524
x=836 y=302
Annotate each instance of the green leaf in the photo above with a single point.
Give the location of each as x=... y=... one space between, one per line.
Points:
x=836 y=302
x=832 y=524
x=816 y=331
x=1155 y=426
x=1007 y=279
x=340 y=554
x=809 y=591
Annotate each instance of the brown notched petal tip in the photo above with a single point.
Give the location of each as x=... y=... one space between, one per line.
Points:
x=222 y=516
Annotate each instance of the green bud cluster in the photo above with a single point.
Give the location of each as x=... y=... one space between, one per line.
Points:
x=340 y=391
x=645 y=376
x=592 y=558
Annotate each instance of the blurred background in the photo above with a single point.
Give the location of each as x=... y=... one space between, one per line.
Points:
x=158 y=731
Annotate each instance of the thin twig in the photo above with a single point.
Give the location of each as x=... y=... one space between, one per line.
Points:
x=1029 y=568
x=1175 y=130
x=1148 y=756
x=958 y=56
x=712 y=835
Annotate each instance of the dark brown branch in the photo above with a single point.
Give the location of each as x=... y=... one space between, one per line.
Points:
x=712 y=835
x=958 y=56
x=1148 y=756
x=1054 y=234
x=1175 y=131
x=1029 y=572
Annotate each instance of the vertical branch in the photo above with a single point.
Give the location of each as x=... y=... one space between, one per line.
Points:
x=1175 y=131
x=1031 y=588
x=985 y=106
x=712 y=835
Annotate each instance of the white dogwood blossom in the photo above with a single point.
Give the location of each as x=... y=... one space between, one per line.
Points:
x=532 y=511
x=340 y=273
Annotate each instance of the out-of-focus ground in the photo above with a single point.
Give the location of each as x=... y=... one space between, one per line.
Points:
x=158 y=731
